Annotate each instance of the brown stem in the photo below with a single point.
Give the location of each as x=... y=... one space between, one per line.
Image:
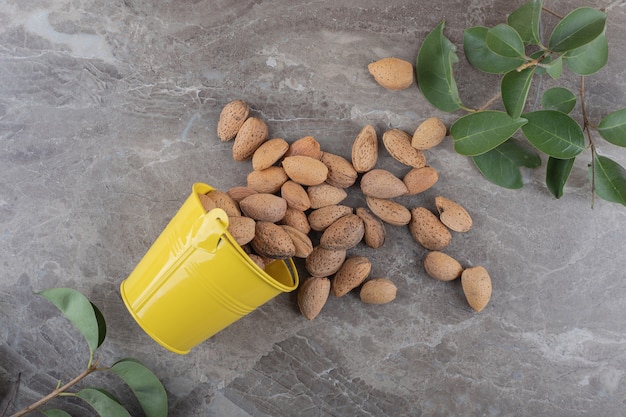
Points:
x=56 y=392
x=592 y=146
x=552 y=12
x=490 y=102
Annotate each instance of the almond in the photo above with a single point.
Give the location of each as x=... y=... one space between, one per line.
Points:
x=323 y=217
x=398 y=144
x=324 y=262
x=429 y=134
x=305 y=146
x=242 y=229
x=389 y=211
x=476 y=284
x=365 y=149
x=428 y=231
x=419 y=180
x=269 y=153
x=268 y=180
x=295 y=195
x=258 y=260
x=442 y=267
x=305 y=170
x=453 y=215
x=239 y=193
x=325 y=195
x=301 y=241
x=232 y=117
x=250 y=136
x=312 y=296
x=264 y=207
x=272 y=241
x=378 y=291
x=344 y=233
x=375 y=232
x=380 y=183
x=225 y=202
x=351 y=274
x=392 y=73
x=297 y=219
x=341 y=173
x=207 y=202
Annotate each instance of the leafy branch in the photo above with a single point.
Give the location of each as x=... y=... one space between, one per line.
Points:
x=515 y=51
x=88 y=319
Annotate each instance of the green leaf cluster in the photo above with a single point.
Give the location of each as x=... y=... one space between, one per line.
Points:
x=501 y=142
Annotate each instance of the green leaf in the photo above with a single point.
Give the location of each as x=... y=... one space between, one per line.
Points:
x=501 y=165
x=434 y=71
x=483 y=58
x=79 y=311
x=102 y=326
x=613 y=127
x=557 y=173
x=610 y=179
x=554 y=133
x=105 y=404
x=144 y=384
x=505 y=41
x=554 y=68
x=590 y=58
x=578 y=28
x=54 y=412
x=525 y=20
x=514 y=87
x=476 y=133
x=559 y=99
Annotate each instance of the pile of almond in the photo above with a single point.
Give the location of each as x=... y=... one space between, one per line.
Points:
x=292 y=206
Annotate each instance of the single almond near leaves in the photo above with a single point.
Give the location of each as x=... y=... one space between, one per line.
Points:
x=232 y=117
x=323 y=217
x=344 y=233
x=442 y=267
x=476 y=284
x=365 y=150
x=301 y=241
x=264 y=207
x=378 y=291
x=268 y=180
x=453 y=215
x=269 y=153
x=242 y=229
x=305 y=170
x=351 y=274
x=305 y=146
x=428 y=231
x=389 y=211
x=250 y=136
x=312 y=296
x=295 y=195
x=419 y=180
x=392 y=73
x=398 y=144
x=324 y=262
x=323 y=195
x=375 y=232
x=272 y=241
x=429 y=134
x=380 y=183
x=341 y=173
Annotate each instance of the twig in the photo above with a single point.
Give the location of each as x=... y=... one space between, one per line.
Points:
x=592 y=146
x=490 y=102
x=553 y=13
x=12 y=395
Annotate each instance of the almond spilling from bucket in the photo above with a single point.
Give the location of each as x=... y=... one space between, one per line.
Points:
x=380 y=183
x=375 y=232
x=264 y=207
x=453 y=215
x=312 y=296
x=250 y=136
x=389 y=211
x=365 y=150
x=341 y=173
x=428 y=231
x=272 y=241
x=442 y=267
x=207 y=202
x=225 y=202
x=324 y=262
x=344 y=233
x=351 y=274
x=398 y=144
x=419 y=180
x=242 y=229
x=301 y=241
x=325 y=195
x=323 y=217
x=240 y=192
x=429 y=134
x=295 y=195
x=476 y=284
x=378 y=291
x=298 y=219
x=269 y=153
x=268 y=180
x=305 y=146
x=305 y=170
x=392 y=73
x=232 y=117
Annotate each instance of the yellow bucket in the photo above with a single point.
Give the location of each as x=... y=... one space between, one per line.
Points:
x=196 y=280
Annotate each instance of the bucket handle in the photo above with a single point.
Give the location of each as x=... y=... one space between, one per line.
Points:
x=208 y=230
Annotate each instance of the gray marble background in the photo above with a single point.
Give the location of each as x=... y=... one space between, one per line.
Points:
x=108 y=111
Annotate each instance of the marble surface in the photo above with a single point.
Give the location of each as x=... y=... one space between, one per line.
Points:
x=108 y=112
